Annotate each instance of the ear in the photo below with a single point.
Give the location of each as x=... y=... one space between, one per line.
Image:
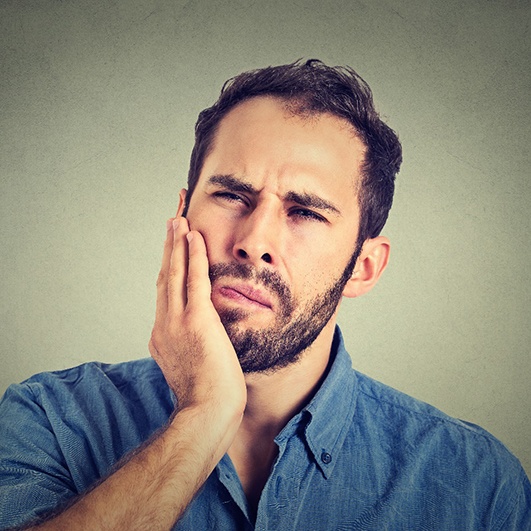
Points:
x=182 y=202
x=369 y=266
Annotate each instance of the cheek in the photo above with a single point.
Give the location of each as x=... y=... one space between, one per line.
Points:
x=311 y=275
x=216 y=236
x=321 y=266
x=314 y=250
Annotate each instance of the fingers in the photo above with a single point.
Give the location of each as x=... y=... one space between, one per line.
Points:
x=198 y=282
x=178 y=267
x=183 y=278
x=188 y=341
x=171 y=282
x=162 y=281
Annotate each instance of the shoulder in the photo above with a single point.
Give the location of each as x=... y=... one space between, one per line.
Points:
x=404 y=416
x=403 y=427
x=87 y=392
x=63 y=430
x=440 y=454
x=411 y=412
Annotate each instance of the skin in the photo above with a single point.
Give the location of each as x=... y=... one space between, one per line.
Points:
x=298 y=217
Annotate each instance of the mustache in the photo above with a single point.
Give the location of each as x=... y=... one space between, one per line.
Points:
x=269 y=279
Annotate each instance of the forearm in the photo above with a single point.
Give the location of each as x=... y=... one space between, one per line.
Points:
x=152 y=489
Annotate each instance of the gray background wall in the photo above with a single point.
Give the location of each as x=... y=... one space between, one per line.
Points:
x=97 y=104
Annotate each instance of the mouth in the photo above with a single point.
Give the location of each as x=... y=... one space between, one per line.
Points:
x=246 y=295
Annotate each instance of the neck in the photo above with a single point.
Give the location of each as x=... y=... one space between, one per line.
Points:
x=274 y=398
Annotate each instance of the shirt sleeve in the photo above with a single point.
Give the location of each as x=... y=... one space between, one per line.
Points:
x=34 y=478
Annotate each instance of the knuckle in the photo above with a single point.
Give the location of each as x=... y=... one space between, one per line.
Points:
x=191 y=284
x=195 y=284
x=172 y=278
x=172 y=274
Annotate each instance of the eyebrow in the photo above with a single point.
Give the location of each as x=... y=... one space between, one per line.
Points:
x=312 y=201
x=304 y=199
x=233 y=184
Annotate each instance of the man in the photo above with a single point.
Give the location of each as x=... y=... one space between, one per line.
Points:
x=250 y=415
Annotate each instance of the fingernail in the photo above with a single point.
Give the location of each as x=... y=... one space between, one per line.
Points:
x=169 y=224
x=176 y=223
x=190 y=237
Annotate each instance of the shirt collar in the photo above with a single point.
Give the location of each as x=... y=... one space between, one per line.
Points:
x=327 y=415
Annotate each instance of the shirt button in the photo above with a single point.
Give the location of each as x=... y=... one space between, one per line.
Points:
x=326 y=458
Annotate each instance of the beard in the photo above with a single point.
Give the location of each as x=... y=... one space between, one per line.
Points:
x=281 y=344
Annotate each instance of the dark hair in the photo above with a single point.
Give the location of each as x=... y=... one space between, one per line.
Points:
x=314 y=87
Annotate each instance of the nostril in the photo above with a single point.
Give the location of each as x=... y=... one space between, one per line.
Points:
x=244 y=255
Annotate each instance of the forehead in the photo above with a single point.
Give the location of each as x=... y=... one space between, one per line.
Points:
x=265 y=142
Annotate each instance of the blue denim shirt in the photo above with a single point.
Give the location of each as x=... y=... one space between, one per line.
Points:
x=359 y=456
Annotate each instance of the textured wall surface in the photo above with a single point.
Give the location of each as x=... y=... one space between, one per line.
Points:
x=97 y=105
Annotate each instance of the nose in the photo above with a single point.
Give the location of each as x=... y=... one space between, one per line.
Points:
x=257 y=238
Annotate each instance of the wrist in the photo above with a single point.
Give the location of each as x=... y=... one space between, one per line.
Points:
x=212 y=424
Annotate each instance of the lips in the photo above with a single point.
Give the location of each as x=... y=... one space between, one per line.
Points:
x=246 y=294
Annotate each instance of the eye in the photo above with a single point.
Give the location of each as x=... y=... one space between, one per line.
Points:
x=230 y=197
x=305 y=214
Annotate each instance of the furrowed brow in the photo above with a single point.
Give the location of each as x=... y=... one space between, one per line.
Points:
x=312 y=201
x=232 y=183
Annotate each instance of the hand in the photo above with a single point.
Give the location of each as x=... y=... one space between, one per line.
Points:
x=153 y=485
x=189 y=342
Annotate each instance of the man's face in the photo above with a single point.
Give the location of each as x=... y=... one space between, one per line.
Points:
x=276 y=202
